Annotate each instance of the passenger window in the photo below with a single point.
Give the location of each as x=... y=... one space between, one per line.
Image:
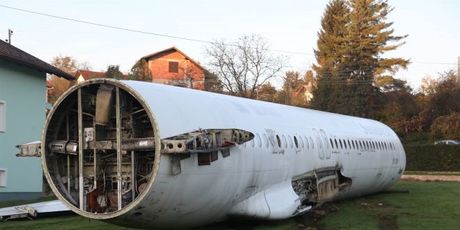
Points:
x=341 y=145
x=296 y=143
x=301 y=142
x=312 y=143
x=278 y=140
x=266 y=141
x=259 y=141
x=345 y=144
x=332 y=144
x=320 y=144
x=290 y=141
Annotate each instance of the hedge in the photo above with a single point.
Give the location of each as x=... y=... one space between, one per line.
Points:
x=443 y=158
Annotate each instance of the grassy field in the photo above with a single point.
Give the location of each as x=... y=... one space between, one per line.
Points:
x=427 y=205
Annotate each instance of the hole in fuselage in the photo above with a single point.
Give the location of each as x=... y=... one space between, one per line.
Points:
x=99 y=131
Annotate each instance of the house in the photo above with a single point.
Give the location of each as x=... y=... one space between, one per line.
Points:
x=83 y=75
x=22 y=116
x=172 y=66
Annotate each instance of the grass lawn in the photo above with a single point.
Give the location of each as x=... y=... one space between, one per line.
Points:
x=428 y=205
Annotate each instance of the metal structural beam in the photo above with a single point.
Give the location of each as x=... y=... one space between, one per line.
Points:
x=80 y=151
x=119 y=159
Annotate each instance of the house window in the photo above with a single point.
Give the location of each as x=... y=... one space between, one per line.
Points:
x=2 y=177
x=2 y=116
x=173 y=67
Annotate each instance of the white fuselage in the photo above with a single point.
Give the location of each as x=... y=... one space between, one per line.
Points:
x=255 y=180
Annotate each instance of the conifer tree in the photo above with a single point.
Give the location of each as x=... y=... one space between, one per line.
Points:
x=358 y=59
x=330 y=44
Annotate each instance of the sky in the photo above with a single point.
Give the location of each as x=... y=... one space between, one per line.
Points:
x=432 y=45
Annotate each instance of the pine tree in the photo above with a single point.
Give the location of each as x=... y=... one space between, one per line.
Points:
x=369 y=36
x=358 y=61
x=331 y=42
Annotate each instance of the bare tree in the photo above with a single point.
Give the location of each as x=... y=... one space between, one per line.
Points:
x=245 y=65
x=60 y=85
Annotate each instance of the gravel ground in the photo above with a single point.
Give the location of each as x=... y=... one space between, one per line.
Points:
x=431 y=177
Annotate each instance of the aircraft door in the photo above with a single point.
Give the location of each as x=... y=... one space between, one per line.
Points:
x=319 y=144
x=327 y=148
x=324 y=150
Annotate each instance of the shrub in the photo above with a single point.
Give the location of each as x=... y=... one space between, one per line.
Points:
x=433 y=158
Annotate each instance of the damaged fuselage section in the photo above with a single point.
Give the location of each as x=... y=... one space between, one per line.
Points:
x=101 y=149
x=319 y=186
x=147 y=155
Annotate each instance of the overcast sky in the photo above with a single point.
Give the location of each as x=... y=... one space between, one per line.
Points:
x=433 y=44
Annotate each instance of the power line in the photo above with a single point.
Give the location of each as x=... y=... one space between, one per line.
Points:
x=104 y=25
x=134 y=30
x=175 y=36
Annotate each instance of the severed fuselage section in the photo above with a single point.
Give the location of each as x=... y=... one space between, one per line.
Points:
x=147 y=155
x=100 y=148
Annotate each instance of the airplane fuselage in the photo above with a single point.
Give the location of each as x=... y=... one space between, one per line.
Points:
x=291 y=159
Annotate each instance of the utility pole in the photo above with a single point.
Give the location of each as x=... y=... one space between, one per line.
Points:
x=458 y=71
x=10 y=32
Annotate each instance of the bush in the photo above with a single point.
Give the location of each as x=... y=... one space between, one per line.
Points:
x=442 y=158
x=446 y=127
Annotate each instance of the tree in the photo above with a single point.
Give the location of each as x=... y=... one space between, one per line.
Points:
x=428 y=86
x=350 y=79
x=140 y=71
x=296 y=88
x=291 y=81
x=399 y=110
x=212 y=82
x=329 y=55
x=390 y=84
x=69 y=64
x=369 y=35
x=243 y=66
x=446 y=127
x=113 y=71
x=267 y=92
x=444 y=101
x=60 y=85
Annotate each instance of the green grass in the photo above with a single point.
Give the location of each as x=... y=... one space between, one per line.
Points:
x=428 y=205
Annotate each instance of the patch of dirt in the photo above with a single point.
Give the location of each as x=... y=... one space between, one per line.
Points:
x=388 y=222
x=312 y=220
x=431 y=177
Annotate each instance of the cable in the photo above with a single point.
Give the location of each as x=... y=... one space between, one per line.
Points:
x=174 y=36
x=104 y=25
x=136 y=31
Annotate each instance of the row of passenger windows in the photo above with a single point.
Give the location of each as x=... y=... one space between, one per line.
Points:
x=308 y=143
x=361 y=144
